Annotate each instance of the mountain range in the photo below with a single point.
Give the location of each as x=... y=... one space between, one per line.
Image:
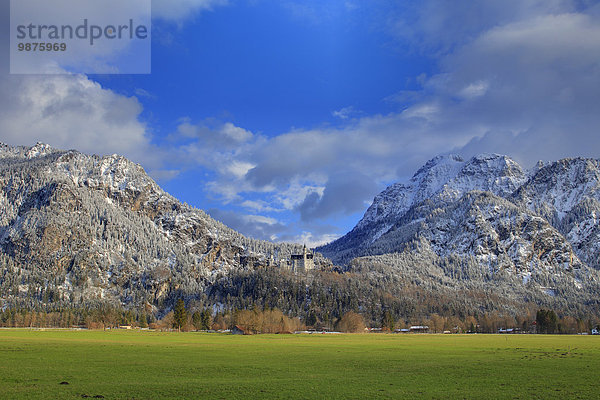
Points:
x=460 y=237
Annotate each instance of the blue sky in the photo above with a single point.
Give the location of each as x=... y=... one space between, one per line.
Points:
x=284 y=118
x=270 y=68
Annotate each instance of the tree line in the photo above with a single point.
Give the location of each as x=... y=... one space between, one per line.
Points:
x=272 y=320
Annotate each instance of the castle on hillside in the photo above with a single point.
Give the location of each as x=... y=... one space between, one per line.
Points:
x=302 y=262
x=298 y=263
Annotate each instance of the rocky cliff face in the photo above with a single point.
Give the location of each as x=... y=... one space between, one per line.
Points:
x=567 y=194
x=81 y=229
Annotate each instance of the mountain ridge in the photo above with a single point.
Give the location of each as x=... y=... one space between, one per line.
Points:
x=568 y=187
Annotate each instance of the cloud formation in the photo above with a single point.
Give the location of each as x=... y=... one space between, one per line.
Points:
x=256 y=226
x=519 y=79
x=72 y=111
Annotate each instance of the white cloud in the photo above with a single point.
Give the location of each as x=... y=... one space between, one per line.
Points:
x=186 y=129
x=439 y=27
x=260 y=219
x=293 y=193
x=256 y=226
x=72 y=111
x=311 y=240
x=344 y=113
x=236 y=133
x=425 y=111
x=320 y=172
x=144 y=93
x=475 y=89
x=226 y=191
x=238 y=168
x=165 y=174
x=259 y=206
x=541 y=97
x=213 y=134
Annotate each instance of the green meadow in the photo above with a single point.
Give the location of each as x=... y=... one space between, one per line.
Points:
x=152 y=365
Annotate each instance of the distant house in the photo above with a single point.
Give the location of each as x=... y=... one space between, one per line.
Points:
x=237 y=330
x=419 y=329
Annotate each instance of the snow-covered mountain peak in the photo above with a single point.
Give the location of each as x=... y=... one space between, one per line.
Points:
x=395 y=200
x=24 y=152
x=114 y=172
x=446 y=178
x=40 y=150
x=556 y=208
x=435 y=173
x=495 y=173
x=491 y=162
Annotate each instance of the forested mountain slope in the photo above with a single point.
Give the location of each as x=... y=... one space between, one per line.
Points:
x=79 y=229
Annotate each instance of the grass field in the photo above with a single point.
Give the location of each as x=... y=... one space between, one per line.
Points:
x=151 y=365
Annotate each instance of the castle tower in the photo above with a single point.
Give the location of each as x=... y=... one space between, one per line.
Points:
x=308 y=259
